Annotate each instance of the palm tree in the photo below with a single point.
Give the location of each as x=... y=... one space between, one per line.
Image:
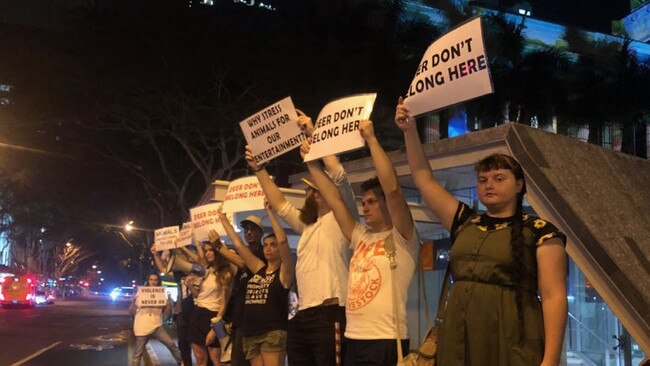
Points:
x=608 y=87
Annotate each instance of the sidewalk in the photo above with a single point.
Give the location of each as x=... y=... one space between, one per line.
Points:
x=157 y=354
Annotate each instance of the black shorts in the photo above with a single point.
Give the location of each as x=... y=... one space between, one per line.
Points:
x=200 y=326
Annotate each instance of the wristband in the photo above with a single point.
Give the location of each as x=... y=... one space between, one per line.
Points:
x=258 y=169
x=217 y=244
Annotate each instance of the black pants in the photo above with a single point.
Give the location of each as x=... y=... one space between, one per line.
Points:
x=238 y=356
x=374 y=352
x=311 y=336
x=182 y=321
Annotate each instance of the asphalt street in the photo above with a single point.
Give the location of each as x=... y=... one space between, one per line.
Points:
x=93 y=331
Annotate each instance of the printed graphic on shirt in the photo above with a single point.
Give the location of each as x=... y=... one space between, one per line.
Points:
x=258 y=288
x=365 y=277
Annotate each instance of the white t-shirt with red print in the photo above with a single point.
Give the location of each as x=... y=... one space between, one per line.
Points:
x=369 y=307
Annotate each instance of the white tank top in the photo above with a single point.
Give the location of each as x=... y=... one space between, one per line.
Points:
x=210 y=293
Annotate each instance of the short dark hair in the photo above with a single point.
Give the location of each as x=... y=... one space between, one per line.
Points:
x=271 y=235
x=374 y=184
x=502 y=161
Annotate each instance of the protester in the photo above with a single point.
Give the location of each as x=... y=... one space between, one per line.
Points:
x=148 y=323
x=253 y=232
x=265 y=310
x=182 y=309
x=210 y=301
x=373 y=330
x=314 y=334
x=500 y=261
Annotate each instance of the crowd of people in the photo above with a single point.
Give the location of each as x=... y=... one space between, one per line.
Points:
x=507 y=305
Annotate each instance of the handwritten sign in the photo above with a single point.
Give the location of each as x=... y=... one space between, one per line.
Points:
x=337 y=126
x=453 y=69
x=204 y=219
x=185 y=235
x=272 y=131
x=165 y=238
x=151 y=296
x=244 y=194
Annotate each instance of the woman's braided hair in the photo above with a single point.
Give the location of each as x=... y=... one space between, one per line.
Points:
x=517 y=242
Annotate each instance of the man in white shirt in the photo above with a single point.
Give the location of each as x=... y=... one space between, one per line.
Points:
x=372 y=329
x=314 y=334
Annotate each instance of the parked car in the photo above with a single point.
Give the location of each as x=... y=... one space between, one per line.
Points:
x=44 y=297
x=18 y=290
x=123 y=293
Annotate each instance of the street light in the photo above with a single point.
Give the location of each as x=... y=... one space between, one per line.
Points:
x=129 y=226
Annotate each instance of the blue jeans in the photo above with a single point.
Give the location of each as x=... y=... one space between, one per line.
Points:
x=164 y=338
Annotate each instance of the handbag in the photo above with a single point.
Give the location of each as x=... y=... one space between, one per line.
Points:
x=426 y=353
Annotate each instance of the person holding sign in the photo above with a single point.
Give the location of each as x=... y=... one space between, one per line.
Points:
x=183 y=307
x=148 y=323
x=500 y=261
x=314 y=334
x=265 y=310
x=253 y=232
x=374 y=335
x=210 y=301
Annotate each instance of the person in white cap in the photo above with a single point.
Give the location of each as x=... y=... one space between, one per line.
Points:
x=314 y=334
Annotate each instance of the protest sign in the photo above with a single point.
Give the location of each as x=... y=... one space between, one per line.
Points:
x=453 y=69
x=204 y=219
x=165 y=238
x=244 y=194
x=272 y=131
x=336 y=129
x=185 y=235
x=151 y=296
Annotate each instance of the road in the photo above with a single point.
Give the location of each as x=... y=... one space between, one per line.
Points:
x=73 y=332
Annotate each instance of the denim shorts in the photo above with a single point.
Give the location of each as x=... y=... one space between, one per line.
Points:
x=273 y=341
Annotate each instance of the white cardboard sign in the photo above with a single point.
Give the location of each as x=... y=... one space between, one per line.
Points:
x=244 y=194
x=337 y=126
x=165 y=238
x=453 y=69
x=272 y=131
x=151 y=296
x=185 y=235
x=204 y=219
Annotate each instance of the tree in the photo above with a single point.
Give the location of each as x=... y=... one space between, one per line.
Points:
x=608 y=87
x=68 y=258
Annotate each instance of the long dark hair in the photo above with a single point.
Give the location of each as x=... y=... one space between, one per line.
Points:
x=220 y=264
x=518 y=247
x=146 y=283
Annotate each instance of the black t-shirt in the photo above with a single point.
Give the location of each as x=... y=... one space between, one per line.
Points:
x=235 y=312
x=266 y=304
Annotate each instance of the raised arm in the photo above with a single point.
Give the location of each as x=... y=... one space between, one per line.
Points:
x=399 y=212
x=437 y=199
x=190 y=254
x=160 y=266
x=287 y=268
x=271 y=190
x=331 y=194
x=333 y=167
x=199 y=251
x=253 y=263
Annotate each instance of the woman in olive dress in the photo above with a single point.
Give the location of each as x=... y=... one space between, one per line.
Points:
x=508 y=304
